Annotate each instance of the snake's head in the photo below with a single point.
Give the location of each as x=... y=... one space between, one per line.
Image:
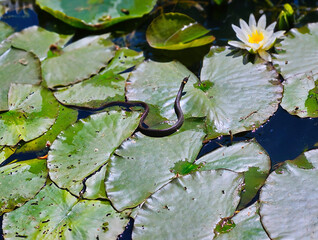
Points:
x=185 y=80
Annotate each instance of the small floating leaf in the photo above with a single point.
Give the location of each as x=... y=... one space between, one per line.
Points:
x=85 y=147
x=17 y=66
x=300 y=90
x=143 y=165
x=33 y=110
x=19 y=182
x=78 y=61
x=56 y=214
x=189 y=207
x=96 y=14
x=5 y=152
x=174 y=31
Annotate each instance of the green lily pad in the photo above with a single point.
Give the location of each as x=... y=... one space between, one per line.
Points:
x=289 y=206
x=17 y=66
x=78 y=61
x=247 y=226
x=56 y=214
x=189 y=207
x=85 y=147
x=175 y=31
x=124 y=59
x=5 y=31
x=20 y=182
x=33 y=110
x=95 y=186
x=157 y=84
x=38 y=40
x=227 y=102
x=244 y=157
x=94 y=92
x=96 y=14
x=142 y=165
x=65 y=118
x=300 y=85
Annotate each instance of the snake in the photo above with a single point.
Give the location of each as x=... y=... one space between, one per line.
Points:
x=150 y=131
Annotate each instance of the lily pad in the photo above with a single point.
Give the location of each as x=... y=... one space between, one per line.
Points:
x=5 y=31
x=20 y=182
x=244 y=157
x=288 y=201
x=78 y=61
x=95 y=186
x=189 y=207
x=84 y=148
x=247 y=226
x=38 y=40
x=157 y=84
x=17 y=66
x=175 y=31
x=5 y=152
x=65 y=118
x=56 y=214
x=142 y=165
x=94 y=92
x=33 y=110
x=96 y=14
x=300 y=85
x=233 y=85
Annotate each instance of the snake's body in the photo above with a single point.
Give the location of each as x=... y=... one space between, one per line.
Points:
x=150 y=131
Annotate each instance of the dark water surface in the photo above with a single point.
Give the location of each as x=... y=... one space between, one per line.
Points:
x=284 y=136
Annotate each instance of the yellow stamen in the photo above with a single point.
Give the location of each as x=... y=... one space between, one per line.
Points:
x=256 y=37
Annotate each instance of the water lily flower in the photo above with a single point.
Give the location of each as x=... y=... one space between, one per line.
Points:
x=256 y=38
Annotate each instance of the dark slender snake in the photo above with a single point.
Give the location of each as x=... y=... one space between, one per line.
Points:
x=150 y=131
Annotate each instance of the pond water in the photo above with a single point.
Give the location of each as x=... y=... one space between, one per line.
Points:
x=284 y=136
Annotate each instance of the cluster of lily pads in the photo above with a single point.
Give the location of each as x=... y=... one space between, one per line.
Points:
x=100 y=172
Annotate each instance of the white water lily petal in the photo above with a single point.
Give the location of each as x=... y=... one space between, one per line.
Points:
x=262 y=22
x=239 y=33
x=256 y=38
x=265 y=55
x=252 y=21
x=237 y=44
x=271 y=27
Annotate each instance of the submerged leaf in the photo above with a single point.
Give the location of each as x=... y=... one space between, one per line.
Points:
x=96 y=14
x=56 y=214
x=174 y=31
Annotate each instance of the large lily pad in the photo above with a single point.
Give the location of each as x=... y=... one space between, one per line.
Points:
x=289 y=206
x=174 y=31
x=244 y=157
x=189 y=207
x=85 y=147
x=19 y=182
x=38 y=40
x=17 y=66
x=56 y=214
x=300 y=87
x=143 y=164
x=5 y=31
x=230 y=87
x=65 y=118
x=247 y=226
x=95 y=186
x=96 y=14
x=78 y=61
x=94 y=92
x=33 y=110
